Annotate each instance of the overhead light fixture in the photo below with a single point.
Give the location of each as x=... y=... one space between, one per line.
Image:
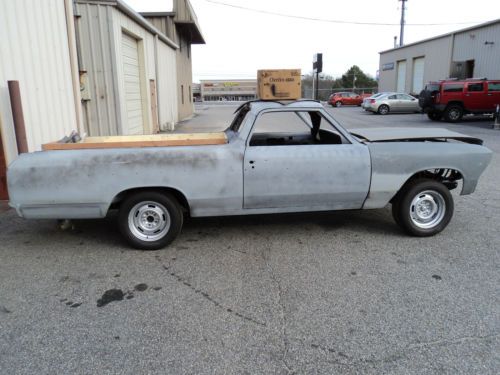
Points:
x=488 y=43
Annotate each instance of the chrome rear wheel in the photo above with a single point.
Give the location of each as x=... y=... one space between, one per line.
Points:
x=149 y=221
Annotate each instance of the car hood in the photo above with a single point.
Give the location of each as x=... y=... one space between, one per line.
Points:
x=411 y=134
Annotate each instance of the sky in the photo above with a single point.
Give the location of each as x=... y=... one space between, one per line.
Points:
x=241 y=41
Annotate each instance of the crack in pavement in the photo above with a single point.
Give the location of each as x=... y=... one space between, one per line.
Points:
x=451 y=341
x=207 y=296
x=280 y=303
x=350 y=361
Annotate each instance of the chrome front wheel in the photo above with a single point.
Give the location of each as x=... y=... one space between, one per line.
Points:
x=423 y=207
x=427 y=209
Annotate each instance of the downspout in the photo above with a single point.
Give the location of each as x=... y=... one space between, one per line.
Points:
x=157 y=83
x=452 y=48
x=73 y=60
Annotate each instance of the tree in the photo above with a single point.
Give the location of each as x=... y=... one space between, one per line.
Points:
x=355 y=77
x=328 y=84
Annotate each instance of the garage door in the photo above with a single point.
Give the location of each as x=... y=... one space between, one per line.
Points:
x=132 y=84
x=401 y=77
x=418 y=75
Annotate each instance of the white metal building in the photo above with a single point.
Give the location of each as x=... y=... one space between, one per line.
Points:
x=466 y=53
x=95 y=66
x=127 y=68
x=36 y=49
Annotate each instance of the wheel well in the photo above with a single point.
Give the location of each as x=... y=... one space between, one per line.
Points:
x=181 y=198
x=447 y=176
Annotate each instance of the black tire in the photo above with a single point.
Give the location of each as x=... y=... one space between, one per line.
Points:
x=338 y=103
x=161 y=220
x=453 y=113
x=410 y=207
x=383 y=109
x=434 y=116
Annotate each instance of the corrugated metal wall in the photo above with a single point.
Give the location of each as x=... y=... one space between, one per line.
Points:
x=101 y=113
x=470 y=45
x=183 y=61
x=34 y=50
x=184 y=77
x=437 y=54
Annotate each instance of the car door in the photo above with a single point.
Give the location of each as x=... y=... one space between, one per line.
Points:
x=493 y=95
x=393 y=103
x=407 y=103
x=288 y=168
x=475 y=98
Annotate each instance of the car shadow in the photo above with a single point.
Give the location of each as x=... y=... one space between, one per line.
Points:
x=368 y=221
x=103 y=234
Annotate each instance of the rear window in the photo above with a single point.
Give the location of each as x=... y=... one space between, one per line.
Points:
x=453 y=87
x=493 y=86
x=475 y=87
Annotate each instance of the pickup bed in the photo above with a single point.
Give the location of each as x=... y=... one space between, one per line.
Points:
x=273 y=158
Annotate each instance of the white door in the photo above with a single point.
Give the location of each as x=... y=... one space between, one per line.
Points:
x=132 y=85
x=418 y=75
x=401 y=77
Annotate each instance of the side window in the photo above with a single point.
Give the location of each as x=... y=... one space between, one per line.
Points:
x=408 y=97
x=392 y=97
x=474 y=87
x=493 y=86
x=453 y=87
x=292 y=128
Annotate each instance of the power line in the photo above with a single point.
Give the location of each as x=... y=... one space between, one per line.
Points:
x=330 y=20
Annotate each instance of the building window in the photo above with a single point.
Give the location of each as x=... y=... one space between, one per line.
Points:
x=182 y=94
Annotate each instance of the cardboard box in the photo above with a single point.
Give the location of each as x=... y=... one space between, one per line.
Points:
x=279 y=84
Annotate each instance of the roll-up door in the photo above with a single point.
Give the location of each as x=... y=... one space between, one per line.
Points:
x=418 y=75
x=401 y=77
x=132 y=85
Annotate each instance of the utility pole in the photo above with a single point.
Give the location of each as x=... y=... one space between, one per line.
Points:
x=402 y=31
x=317 y=68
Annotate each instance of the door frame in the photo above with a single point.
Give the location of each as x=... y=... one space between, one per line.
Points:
x=4 y=195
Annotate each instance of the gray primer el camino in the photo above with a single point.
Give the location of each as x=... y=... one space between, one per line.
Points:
x=235 y=178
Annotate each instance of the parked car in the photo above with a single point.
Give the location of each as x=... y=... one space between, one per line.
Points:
x=273 y=158
x=451 y=99
x=392 y=103
x=345 y=98
x=366 y=102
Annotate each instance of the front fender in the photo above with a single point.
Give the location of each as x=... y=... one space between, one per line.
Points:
x=394 y=163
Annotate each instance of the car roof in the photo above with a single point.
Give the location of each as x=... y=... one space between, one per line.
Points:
x=258 y=105
x=468 y=80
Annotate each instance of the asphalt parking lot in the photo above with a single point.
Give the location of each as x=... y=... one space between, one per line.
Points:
x=328 y=293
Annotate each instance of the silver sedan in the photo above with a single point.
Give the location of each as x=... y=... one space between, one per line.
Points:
x=392 y=102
